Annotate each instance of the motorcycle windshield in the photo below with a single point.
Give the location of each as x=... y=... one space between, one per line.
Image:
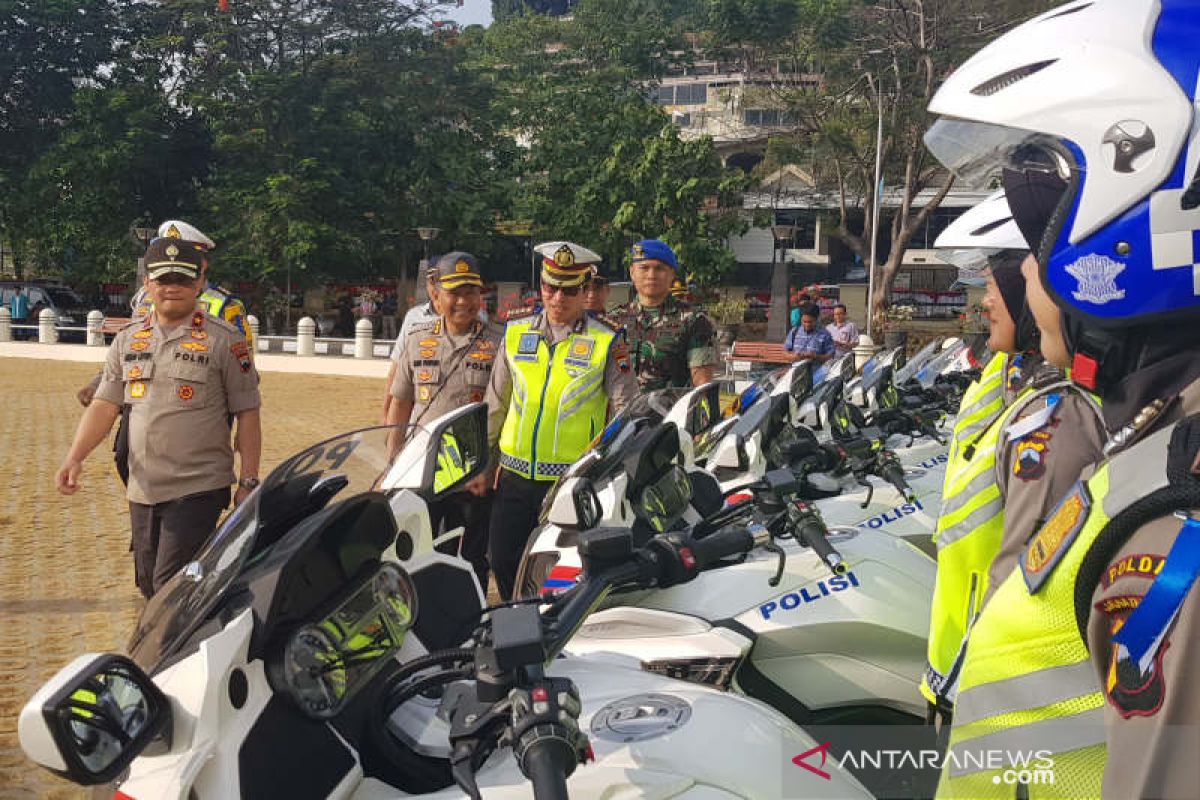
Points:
x=343 y=466
x=909 y=371
x=929 y=373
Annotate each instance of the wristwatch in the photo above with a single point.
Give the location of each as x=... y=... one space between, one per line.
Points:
x=249 y=483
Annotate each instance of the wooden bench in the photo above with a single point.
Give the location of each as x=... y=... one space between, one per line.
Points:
x=745 y=356
x=764 y=352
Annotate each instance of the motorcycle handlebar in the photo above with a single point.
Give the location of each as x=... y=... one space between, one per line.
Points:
x=546 y=764
x=893 y=473
x=729 y=542
x=812 y=533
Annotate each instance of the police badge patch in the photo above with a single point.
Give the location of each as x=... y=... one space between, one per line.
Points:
x=527 y=346
x=1097 y=276
x=580 y=354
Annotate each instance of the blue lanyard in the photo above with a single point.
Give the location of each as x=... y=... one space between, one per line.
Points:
x=1146 y=626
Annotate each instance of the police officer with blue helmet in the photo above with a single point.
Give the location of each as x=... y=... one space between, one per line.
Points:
x=1087 y=649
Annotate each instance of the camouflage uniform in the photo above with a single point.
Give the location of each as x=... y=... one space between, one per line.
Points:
x=667 y=342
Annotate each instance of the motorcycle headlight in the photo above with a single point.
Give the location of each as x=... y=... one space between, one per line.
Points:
x=326 y=662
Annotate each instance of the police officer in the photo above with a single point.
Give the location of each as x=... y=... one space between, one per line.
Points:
x=671 y=343
x=213 y=300
x=1007 y=465
x=443 y=365
x=183 y=373
x=560 y=375
x=595 y=293
x=1087 y=648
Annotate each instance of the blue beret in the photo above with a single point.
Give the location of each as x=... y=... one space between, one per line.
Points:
x=656 y=249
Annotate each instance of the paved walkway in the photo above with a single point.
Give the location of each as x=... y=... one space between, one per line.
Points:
x=266 y=362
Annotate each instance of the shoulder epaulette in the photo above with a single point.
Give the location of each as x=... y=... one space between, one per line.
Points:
x=519 y=314
x=605 y=319
x=222 y=323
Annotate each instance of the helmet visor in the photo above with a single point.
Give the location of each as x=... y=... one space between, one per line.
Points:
x=978 y=152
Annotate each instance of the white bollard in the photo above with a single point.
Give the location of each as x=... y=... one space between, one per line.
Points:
x=863 y=351
x=95 y=328
x=364 y=338
x=252 y=324
x=306 y=332
x=46 y=331
x=5 y=324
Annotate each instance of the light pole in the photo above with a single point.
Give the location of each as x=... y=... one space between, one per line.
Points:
x=777 y=319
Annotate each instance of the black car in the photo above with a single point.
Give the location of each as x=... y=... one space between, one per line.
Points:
x=70 y=309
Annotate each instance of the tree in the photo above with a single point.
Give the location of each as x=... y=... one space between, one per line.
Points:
x=880 y=59
x=603 y=165
x=50 y=46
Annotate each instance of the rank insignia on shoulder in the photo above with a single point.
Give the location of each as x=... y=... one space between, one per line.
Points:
x=1054 y=538
x=616 y=325
x=519 y=313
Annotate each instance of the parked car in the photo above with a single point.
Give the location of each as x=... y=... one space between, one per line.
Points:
x=69 y=308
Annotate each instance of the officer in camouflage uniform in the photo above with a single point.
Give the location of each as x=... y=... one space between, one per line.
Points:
x=670 y=343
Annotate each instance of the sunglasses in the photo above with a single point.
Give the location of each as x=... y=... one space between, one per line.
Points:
x=569 y=291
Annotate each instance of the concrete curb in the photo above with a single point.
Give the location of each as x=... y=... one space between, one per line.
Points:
x=266 y=362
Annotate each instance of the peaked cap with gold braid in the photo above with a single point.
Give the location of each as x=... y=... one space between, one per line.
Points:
x=566 y=263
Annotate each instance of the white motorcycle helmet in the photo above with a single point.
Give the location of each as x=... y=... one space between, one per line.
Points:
x=983 y=231
x=1086 y=113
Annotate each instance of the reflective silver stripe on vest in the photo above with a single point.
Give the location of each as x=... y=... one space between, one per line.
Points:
x=983 y=480
x=1058 y=735
x=1137 y=472
x=970 y=522
x=575 y=398
x=1025 y=692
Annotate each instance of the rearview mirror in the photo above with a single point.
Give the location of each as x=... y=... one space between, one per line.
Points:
x=440 y=457
x=93 y=718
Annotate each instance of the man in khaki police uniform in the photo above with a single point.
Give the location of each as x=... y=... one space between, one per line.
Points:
x=442 y=366
x=183 y=374
x=560 y=376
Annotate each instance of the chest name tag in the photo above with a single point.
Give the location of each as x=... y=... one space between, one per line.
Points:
x=527 y=346
x=580 y=354
x=1054 y=538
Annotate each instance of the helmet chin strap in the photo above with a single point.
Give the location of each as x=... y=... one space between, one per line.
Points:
x=1102 y=357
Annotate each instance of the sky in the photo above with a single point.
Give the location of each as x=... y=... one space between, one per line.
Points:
x=473 y=12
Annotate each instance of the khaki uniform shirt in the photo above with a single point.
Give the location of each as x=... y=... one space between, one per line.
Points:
x=439 y=372
x=1035 y=471
x=1153 y=718
x=182 y=385
x=619 y=384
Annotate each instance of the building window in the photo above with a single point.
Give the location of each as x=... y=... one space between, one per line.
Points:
x=682 y=119
x=766 y=117
x=695 y=94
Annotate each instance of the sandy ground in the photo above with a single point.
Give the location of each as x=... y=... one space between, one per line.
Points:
x=66 y=578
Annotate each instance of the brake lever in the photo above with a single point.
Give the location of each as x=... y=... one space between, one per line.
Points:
x=862 y=481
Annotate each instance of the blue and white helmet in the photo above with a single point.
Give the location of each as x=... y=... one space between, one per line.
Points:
x=1097 y=97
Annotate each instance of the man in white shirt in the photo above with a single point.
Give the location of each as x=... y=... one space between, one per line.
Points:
x=844 y=332
x=418 y=314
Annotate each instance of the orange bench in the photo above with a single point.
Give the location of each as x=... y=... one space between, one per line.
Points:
x=762 y=352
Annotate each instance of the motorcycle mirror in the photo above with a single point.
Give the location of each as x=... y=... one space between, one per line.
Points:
x=439 y=458
x=575 y=505
x=93 y=718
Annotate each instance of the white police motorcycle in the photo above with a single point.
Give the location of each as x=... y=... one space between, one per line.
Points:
x=309 y=652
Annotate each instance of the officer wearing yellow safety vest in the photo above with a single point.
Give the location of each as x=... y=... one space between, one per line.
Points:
x=214 y=301
x=1084 y=653
x=560 y=375
x=1007 y=465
